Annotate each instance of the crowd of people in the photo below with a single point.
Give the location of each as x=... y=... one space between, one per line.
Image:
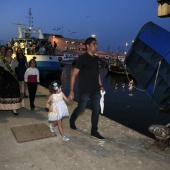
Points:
x=16 y=75
x=32 y=46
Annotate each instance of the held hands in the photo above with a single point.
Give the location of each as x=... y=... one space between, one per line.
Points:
x=71 y=95
x=102 y=88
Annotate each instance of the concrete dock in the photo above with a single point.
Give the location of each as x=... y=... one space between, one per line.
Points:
x=123 y=149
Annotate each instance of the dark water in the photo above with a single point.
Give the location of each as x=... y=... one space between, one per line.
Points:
x=132 y=108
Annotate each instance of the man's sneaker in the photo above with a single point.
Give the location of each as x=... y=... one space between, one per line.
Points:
x=65 y=138
x=52 y=128
x=72 y=125
x=97 y=136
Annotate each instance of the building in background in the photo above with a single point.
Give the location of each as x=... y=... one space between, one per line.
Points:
x=66 y=44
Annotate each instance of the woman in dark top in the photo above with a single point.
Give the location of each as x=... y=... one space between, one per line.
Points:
x=22 y=66
x=10 y=98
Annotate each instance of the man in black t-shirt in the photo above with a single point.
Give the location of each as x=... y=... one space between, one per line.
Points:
x=90 y=84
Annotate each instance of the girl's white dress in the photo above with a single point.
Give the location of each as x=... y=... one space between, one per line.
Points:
x=59 y=107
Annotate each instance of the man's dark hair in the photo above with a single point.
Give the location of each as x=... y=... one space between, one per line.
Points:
x=89 y=40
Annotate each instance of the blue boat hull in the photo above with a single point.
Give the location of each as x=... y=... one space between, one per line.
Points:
x=148 y=60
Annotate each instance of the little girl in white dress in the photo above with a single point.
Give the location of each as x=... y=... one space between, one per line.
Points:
x=57 y=107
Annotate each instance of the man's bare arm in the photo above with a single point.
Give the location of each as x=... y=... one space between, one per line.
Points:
x=72 y=82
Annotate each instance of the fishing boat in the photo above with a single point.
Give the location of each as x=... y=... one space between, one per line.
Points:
x=35 y=48
x=47 y=64
x=117 y=65
x=115 y=70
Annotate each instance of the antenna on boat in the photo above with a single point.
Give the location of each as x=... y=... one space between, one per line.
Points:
x=19 y=29
x=30 y=19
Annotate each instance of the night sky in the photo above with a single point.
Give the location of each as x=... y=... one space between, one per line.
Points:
x=114 y=22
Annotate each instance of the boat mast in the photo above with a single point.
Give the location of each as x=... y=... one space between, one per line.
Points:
x=30 y=21
x=28 y=31
x=31 y=30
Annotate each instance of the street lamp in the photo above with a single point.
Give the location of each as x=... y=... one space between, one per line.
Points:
x=126 y=47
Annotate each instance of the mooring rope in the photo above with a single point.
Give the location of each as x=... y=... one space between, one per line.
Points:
x=127 y=75
x=159 y=64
